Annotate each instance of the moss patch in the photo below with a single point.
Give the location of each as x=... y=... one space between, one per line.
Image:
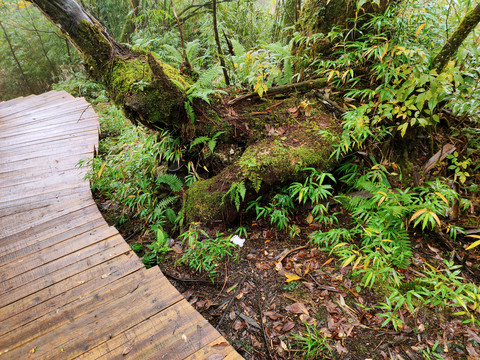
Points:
x=146 y=97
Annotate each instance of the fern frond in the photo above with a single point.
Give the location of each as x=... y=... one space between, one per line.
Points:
x=207 y=77
x=238 y=49
x=171 y=180
x=164 y=203
x=199 y=140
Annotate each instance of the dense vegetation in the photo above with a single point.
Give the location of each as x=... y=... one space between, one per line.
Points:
x=404 y=160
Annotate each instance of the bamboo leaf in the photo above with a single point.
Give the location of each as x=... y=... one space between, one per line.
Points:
x=472 y=245
x=417 y=214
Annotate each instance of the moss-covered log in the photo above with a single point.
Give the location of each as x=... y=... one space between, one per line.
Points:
x=153 y=93
x=269 y=162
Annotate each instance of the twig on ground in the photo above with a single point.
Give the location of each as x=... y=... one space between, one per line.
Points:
x=264 y=335
x=286 y=253
x=323 y=287
x=230 y=302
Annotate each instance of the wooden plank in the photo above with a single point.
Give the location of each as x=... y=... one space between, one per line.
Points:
x=47 y=125
x=13 y=252
x=34 y=262
x=83 y=333
x=7 y=283
x=73 y=112
x=58 y=319
x=29 y=220
x=73 y=287
x=39 y=109
x=42 y=283
x=69 y=285
x=48 y=229
x=55 y=142
x=41 y=138
x=217 y=349
x=56 y=163
x=33 y=102
x=18 y=206
x=176 y=333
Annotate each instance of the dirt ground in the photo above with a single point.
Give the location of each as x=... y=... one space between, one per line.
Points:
x=279 y=289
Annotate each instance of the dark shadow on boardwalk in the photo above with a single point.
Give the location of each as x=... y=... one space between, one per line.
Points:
x=70 y=287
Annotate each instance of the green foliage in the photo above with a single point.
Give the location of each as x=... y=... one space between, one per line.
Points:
x=158 y=249
x=378 y=239
x=311 y=345
x=205 y=253
x=41 y=53
x=132 y=171
x=260 y=69
x=383 y=61
x=236 y=193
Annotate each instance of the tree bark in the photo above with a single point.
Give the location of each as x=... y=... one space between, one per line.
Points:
x=217 y=41
x=136 y=81
x=468 y=23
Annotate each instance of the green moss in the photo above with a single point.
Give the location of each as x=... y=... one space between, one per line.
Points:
x=147 y=98
x=94 y=47
x=203 y=202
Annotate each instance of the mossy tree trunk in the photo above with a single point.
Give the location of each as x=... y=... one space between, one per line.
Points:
x=136 y=81
x=469 y=22
x=322 y=16
x=143 y=86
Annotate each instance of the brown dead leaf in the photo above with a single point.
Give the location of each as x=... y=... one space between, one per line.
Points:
x=297 y=308
x=238 y=325
x=128 y=347
x=220 y=346
x=289 y=325
x=255 y=341
x=273 y=315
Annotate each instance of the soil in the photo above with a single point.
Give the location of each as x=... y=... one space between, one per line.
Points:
x=280 y=288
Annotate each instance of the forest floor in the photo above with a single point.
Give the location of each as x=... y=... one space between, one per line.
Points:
x=279 y=288
x=283 y=298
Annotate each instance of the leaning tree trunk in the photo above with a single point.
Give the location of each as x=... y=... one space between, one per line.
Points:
x=469 y=22
x=144 y=87
x=135 y=80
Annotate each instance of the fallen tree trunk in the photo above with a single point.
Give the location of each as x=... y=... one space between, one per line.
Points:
x=153 y=93
x=284 y=89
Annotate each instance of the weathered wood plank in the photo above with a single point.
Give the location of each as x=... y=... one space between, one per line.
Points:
x=179 y=331
x=8 y=297
x=70 y=286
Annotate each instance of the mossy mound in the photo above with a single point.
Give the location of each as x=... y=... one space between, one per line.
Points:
x=270 y=161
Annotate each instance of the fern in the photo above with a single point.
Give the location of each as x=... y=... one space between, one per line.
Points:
x=237 y=193
x=164 y=203
x=171 y=180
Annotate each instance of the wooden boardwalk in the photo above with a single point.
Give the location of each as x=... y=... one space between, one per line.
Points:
x=70 y=286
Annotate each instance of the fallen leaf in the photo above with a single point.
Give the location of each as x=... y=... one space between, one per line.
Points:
x=221 y=345
x=238 y=325
x=289 y=325
x=297 y=308
x=291 y=277
x=273 y=315
x=128 y=347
